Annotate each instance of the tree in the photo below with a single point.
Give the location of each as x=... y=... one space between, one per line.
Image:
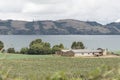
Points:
x=57 y=47
x=46 y=45
x=39 y=47
x=61 y=46
x=35 y=42
x=10 y=50
x=80 y=45
x=74 y=45
x=77 y=45
x=24 y=50
x=1 y=45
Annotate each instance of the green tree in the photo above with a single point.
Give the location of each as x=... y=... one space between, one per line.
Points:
x=24 y=50
x=80 y=45
x=35 y=42
x=61 y=46
x=39 y=47
x=74 y=45
x=57 y=47
x=10 y=50
x=1 y=45
x=46 y=45
x=77 y=45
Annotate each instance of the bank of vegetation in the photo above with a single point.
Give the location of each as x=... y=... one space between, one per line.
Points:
x=39 y=47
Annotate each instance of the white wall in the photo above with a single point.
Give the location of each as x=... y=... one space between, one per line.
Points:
x=85 y=54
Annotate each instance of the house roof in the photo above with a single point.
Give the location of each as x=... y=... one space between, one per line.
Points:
x=84 y=51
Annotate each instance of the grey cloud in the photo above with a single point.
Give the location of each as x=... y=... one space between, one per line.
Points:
x=103 y=11
x=11 y=6
x=47 y=1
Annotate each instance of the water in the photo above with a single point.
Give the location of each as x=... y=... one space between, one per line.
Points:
x=110 y=42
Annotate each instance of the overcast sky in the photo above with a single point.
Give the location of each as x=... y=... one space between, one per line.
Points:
x=103 y=11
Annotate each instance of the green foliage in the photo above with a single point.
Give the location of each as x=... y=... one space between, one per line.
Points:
x=35 y=42
x=1 y=45
x=46 y=45
x=24 y=50
x=74 y=45
x=57 y=47
x=10 y=50
x=61 y=46
x=39 y=47
x=77 y=45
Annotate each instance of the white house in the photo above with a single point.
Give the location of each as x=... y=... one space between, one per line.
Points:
x=83 y=52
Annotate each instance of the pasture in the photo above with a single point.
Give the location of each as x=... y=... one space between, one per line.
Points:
x=39 y=67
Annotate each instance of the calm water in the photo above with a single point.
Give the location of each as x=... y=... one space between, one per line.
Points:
x=112 y=42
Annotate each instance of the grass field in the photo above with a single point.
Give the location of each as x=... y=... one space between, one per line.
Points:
x=38 y=67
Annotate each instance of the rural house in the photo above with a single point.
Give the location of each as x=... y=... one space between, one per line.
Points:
x=82 y=52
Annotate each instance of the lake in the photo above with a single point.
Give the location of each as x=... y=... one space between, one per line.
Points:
x=111 y=42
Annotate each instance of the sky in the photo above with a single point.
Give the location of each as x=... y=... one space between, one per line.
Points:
x=102 y=11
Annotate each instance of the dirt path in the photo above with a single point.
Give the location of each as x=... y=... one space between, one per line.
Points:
x=108 y=56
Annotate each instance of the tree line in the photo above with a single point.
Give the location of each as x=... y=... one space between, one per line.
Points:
x=38 y=47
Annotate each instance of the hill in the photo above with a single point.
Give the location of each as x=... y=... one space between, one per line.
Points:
x=58 y=27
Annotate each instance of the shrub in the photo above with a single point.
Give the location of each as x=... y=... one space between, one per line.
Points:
x=39 y=47
x=10 y=50
x=77 y=45
x=24 y=50
x=1 y=45
x=57 y=47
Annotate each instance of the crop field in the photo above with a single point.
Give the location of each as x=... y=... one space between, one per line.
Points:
x=39 y=67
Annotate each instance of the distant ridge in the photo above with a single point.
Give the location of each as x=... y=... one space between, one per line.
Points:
x=58 y=27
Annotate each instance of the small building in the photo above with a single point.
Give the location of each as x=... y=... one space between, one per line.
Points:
x=83 y=52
